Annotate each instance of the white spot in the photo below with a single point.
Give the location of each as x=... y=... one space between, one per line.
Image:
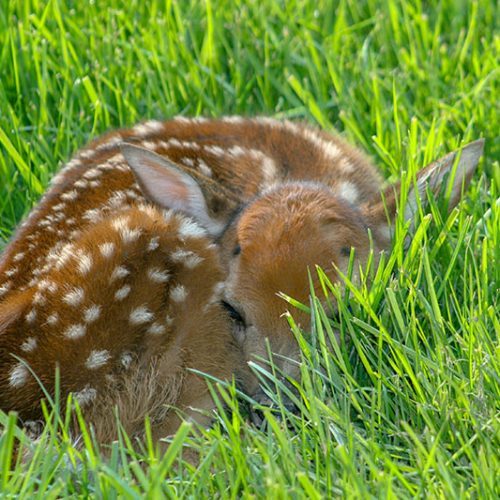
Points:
x=144 y=129
x=18 y=375
x=148 y=210
x=64 y=254
x=215 y=150
x=156 y=329
x=92 y=215
x=74 y=297
x=119 y=273
x=70 y=195
x=53 y=319
x=132 y=194
x=110 y=143
x=32 y=282
x=168 y=320
x=80 y=184
x=75 y=331
x=346 y=165
x=18 y=257
x=93 y=173
x=44 y=223
x=189 y=229
x=237 y=151
x=92 y=313
x=107 y=249
x=236 y=120
x=149 y=145
x=330 y=150
x=268 y=170
x=348 y=191
x=168 y=215
x=5 y=288
x=127 y=234
x=182 y=119
x=31 y=316
x=126 y=360
x=186 y=257
x=153 y=243
x=141 y=315
x=84 y=263
x=158 y=276
x=204 y=168
x=39 y=299
x=94 y=184
x=85 y=396
x=97 y=359
x=121 y=222
x=122 y=292
x=74 y=234
x=188 y=162
x=59 y=207
x=178 y=293
x=11 y=272
x=88 y=153
x=29 y=344
x=175 y=143
x=266 y=120
x=117 y=200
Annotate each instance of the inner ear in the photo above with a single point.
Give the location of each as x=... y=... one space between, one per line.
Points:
x=165 y=183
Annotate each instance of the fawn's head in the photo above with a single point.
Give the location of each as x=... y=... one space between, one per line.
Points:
x=271 y=242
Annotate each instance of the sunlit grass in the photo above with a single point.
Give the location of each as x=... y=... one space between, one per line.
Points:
x=408 y=404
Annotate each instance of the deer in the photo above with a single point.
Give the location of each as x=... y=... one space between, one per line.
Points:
x=167 y=247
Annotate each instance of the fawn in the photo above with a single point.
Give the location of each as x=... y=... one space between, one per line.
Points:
x=164 y=247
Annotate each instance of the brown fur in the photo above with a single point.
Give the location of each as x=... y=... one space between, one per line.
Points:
x=277 y=197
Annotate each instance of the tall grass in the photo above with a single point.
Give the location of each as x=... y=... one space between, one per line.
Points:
x=408 y=404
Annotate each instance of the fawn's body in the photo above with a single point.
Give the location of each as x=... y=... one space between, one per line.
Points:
x=102 y=282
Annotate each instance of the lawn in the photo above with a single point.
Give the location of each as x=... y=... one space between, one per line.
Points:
x=410 y=405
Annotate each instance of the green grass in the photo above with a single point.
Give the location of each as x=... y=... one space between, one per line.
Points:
x=410 y=406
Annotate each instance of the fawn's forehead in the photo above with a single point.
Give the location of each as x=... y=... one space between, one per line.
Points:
x=297 y=210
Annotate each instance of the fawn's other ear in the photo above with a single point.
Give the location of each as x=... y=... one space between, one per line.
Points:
x=166 y=185
x=432 y=177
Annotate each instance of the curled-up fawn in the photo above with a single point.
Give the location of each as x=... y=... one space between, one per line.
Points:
x=163 y=247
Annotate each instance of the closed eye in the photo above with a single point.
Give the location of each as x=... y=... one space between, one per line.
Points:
x=233 y=313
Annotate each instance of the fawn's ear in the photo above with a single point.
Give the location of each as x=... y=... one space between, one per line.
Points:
x=432 y=177
x=165 y=184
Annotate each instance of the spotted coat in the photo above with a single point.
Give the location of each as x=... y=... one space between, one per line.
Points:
x=102 y=282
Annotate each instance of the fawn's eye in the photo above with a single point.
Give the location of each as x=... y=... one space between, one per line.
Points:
x=237 y=250
x=346 y=251
x=233 y=313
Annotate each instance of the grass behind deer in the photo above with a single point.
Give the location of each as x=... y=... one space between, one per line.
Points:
x=408 y=404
